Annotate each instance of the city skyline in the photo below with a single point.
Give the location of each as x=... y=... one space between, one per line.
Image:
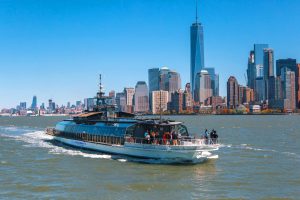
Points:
x=56 y=64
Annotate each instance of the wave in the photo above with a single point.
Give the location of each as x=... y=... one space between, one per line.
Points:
x=248 y=147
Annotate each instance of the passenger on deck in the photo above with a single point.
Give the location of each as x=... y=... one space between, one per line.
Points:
x=174 y=138
x=156 y=137
x=166 y=138
x=147 y=137
x=206 y=136
x=152 y=137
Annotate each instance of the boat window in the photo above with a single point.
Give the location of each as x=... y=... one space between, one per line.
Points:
x=182 y=130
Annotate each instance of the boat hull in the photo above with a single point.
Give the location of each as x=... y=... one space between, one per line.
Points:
x=164 y=152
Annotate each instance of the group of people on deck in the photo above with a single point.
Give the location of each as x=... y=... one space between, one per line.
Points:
x=212 y=135
x=152 y=137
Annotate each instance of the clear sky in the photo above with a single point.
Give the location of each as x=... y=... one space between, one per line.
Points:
x=56 y=48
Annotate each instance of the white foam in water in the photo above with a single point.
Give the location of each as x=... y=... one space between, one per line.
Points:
x=38 y=139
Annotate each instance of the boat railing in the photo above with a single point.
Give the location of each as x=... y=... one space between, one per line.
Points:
x=175 y=142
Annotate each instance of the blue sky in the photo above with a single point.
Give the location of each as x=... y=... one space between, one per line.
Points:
x=56 y=49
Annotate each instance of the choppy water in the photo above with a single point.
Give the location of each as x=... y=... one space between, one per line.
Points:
x=260 y=159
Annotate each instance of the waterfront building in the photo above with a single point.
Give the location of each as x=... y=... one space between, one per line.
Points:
x=129 y=93
x=164 y=79
x=42 y=107
x=34 y=103
x=214 y=80
x=248 y=95
x=160 y=101
x=141 y=97
x=289 y=92
x=153 y=79
x=176 y=105
x=290 y=64
x=260 y=93
x=214 y=102
x=173 y=82
x=22 y=106
x=203 y=88
x=89 y=104
x=196 y=51
x=232 y=92
x=271 y=88
x=251 y=71
x=121 y=101
x=242 y=93
x=51 y=106
x=268 y=69
x=187 y=100
x=259 y=58
x=153 y=82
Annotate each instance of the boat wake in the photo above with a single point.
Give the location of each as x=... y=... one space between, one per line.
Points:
x=252 y=148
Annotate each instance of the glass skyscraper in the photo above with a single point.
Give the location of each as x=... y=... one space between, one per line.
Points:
x=197 y=51
x=259 y=58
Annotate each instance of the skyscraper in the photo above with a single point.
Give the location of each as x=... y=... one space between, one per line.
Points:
x=289 y=92
x=159 y=101
x=34 y=103
x=197 y=50
x=141 y=97
x=232 y=92
x=290 y=64
x=251 y=71
x=259 y=58
x=153 y=79
x=121 y=101
x=153 y=82
x=203 y=88
x=268 y=63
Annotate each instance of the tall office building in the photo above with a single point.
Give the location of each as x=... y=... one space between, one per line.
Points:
x=289 y=92
x=153 y=82
x=268 y=63
x=259 y=58
x=176 y=105
x=168 y=80
x=174 y=82
x=251 y=71
x=22 y=105
x=214 y=78
x=89 y=104
x=121 y=101
x=153 y=79
x=159 y=101
x=141 y=97
x=34 y=103
x=197 y=50
x=290 y=64
x=129 y=93
x=260 y=89
x=232 y=92
x=203 y=88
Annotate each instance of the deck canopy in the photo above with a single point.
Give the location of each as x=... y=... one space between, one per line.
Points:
x=99 y=128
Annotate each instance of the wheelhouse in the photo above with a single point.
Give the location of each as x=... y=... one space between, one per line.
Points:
x=138 y=130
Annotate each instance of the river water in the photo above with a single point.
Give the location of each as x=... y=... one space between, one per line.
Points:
x=259 y=159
